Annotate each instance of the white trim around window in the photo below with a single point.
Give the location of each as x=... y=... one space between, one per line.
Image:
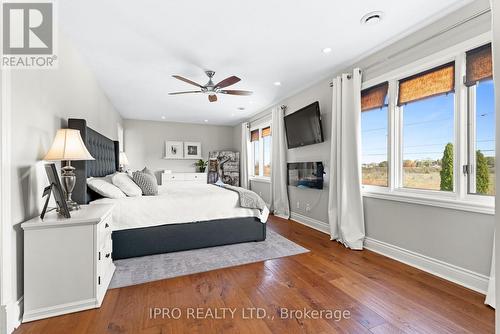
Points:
x=460 y=199
x=261 y=177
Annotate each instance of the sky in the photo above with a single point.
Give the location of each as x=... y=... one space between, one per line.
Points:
x=428 y=125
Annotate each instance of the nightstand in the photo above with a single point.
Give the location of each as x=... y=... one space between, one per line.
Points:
x=67 y=261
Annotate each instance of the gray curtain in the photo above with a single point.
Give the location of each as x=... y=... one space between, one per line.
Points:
x=244 y=156
x=345 y=203
x=279 y=188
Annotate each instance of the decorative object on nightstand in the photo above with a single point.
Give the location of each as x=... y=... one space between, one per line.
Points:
x=201 y=165
x=67 y=262
x=123 y=162
x=68 y=146
x=56 y=189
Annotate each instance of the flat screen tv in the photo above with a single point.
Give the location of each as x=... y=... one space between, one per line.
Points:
x=303 y=127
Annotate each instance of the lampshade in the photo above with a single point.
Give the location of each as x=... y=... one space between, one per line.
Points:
x=68 y=145
x=123 y=159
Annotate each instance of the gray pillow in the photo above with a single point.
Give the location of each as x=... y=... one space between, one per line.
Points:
x=148 y=171
x=146 y=182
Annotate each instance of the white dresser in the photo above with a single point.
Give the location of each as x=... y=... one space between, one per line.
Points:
x=183 y=177
x=67 y=262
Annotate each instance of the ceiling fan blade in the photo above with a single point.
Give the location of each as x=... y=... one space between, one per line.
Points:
x=187 y=81
x=228 y=82
x=186 y=92
x=212 y=98
x=236 y=92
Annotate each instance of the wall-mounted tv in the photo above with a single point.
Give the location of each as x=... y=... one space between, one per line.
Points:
x=306 y=174
x=303 y=127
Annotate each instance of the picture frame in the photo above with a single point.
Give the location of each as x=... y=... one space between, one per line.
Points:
x=174 y=150
x=192 y=150
x=56 y=188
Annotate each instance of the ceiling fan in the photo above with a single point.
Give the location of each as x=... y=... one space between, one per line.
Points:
x=212 y=89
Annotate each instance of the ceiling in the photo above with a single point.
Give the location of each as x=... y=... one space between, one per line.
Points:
x=134 y=48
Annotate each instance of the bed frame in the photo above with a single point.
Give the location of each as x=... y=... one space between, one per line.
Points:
x=156 y=239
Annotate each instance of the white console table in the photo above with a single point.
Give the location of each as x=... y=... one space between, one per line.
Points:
x=183 y=177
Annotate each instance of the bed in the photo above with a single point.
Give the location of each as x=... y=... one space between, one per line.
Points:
x=181 y=217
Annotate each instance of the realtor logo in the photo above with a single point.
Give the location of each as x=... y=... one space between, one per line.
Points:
x=28 y=35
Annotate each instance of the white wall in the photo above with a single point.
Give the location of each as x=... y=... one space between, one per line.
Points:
x=41 y=103
x=145 y=143
x=459 y=238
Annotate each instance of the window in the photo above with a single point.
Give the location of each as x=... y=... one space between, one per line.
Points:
x=266 y=148
x=254 y=138
x=428 y=130
x=432 y=139
x=374 y=124
x=261 y=140
x=480 y=167
x=427 y=108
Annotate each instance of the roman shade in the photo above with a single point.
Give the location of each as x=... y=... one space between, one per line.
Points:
x=254 y=135
x=266 y=132
x=374 y=97
x=478 y=65
x=436 y=81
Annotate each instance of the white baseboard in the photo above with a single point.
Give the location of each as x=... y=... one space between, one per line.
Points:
x=52 y=311
x=464 y=277
x=311 y=222
x=10 y=317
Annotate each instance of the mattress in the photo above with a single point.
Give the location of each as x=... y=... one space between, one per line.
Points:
x=178 y=202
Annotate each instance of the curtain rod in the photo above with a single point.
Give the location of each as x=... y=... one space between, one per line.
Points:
x=439 y=33
x=283 y=107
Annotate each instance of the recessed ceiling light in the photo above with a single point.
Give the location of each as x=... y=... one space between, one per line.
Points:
x=326 y=50
x=277 y=83
x=372 y=18
x=206 y=121
x=163 y=117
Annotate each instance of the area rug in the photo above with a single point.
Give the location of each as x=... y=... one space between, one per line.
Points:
x=156 y=267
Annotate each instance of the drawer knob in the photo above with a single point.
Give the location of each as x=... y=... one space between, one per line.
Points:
x=106 y=225
x=108 y=254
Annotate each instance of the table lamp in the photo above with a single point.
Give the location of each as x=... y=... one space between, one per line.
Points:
x=123 y=161
x=68 y=146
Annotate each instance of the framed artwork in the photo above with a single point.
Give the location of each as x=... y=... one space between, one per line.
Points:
x=174 y=150
x=224 y=165
x=192 y=150
x=55 y=188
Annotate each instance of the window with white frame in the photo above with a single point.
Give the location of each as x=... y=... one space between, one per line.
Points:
x=431 y=140
x=426 y=104
x=481 y=122
x=374 y=127
x=260 y=139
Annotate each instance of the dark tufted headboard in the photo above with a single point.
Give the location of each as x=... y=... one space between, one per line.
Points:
x=106 y=154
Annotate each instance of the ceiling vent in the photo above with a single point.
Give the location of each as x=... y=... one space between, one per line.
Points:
x=372 y=18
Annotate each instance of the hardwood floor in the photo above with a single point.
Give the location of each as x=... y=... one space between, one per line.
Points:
x=380 y=294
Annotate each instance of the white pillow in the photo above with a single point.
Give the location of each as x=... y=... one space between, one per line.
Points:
x=126 y=184
x=104 y=187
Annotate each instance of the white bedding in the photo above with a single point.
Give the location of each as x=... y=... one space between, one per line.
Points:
x=178 y=202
